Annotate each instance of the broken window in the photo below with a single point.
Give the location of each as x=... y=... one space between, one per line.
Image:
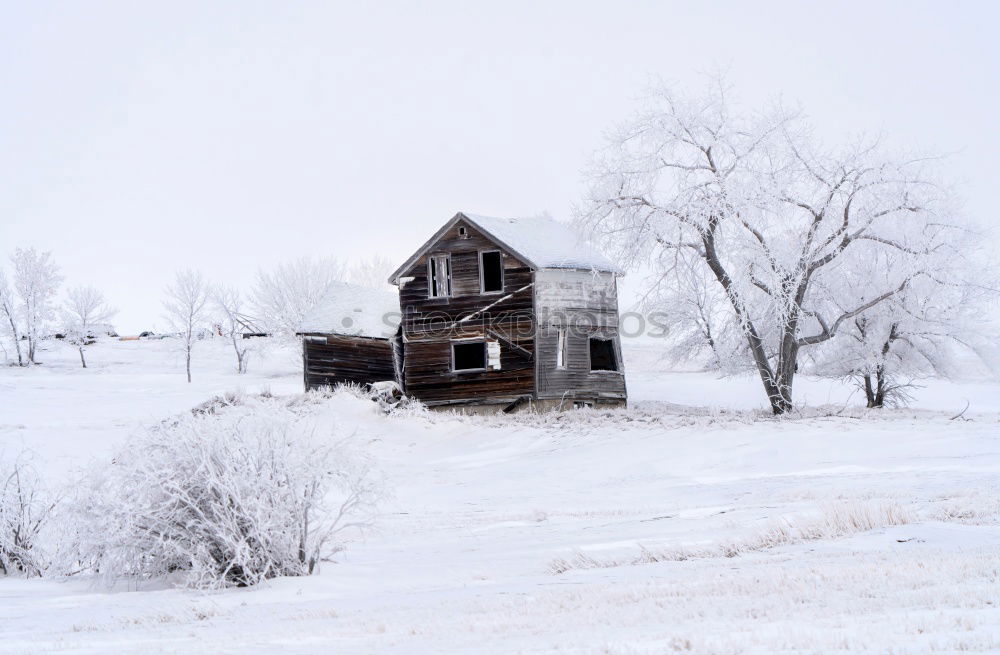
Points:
x=602 y=355
x=491 y=271
x=468 y=355
x=561 y=349
x=439 y=276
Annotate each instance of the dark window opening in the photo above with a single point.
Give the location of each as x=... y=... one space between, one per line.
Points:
x=468 y=356
x=491 y=270
x=439 y=276
x=463 y=233
x=602 y=355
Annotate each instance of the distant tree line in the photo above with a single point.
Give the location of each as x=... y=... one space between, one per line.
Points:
x=32 y=311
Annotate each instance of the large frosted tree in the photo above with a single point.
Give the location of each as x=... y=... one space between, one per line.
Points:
x=777 y=220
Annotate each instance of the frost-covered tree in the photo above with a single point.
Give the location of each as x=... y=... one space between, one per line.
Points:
x=231 y=308
x=695 y=314
x=372 y=272
x=84 y=313
x=776 y=219
x=185 y=307
x=24 y=510
x=8 y=316
x=36 y=280
x=934 y=327
x=282 y=297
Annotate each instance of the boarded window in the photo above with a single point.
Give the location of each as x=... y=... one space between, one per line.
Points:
x=439 y=276
x=491 y=271
x=561 y=349
x=602 y=355
x=493 y=352
x=468 y=356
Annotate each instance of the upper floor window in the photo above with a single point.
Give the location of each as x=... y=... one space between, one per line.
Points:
x=490 y=271
x=439 y=276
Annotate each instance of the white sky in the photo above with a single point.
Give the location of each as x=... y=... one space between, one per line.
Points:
x=138 y=138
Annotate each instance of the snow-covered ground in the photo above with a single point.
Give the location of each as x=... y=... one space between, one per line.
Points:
x=539 y=534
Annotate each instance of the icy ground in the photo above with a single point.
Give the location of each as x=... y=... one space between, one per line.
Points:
x=534 y=534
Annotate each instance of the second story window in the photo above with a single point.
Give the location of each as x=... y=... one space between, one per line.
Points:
x=439 y=276
x=490 y=271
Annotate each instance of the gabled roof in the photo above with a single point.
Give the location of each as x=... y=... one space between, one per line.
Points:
x=353 y=310
x=538 y=242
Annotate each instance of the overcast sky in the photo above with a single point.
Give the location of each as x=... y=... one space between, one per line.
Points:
x=138 y=138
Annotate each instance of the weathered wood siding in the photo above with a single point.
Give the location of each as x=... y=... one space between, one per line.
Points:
x=584 y=304
x=332 y=359
x=430 y=325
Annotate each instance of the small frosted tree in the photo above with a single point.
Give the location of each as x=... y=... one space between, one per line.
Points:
x=230 y=306
x=24 y=510
x=283 y=297
x=934 y=327
x=84 y=313
x=36 y=280
x=8 y=316
x=185 y=307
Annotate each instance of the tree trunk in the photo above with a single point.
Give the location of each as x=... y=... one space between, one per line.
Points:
x=779 y=403
x=241 y=355
x=17 y=340
x=188 y=357
x=869 y=391
x=82 y=360
x=31 y=350
x=880 y=386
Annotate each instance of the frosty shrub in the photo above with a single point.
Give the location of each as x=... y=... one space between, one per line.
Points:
x=24 y=510
x=225 y=499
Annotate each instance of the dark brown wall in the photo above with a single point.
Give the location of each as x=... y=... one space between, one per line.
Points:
x=429 y=325
x=342 y=359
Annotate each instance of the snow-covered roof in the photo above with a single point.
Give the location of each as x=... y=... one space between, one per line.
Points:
x=353 y=310
x=539 y=242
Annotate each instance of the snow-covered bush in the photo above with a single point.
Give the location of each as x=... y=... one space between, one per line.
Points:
x=234 y=497
x=24 y=510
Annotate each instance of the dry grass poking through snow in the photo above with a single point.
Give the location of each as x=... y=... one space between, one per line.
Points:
x=835 y=520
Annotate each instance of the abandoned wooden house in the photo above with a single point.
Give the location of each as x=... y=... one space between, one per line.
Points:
x=494 y=314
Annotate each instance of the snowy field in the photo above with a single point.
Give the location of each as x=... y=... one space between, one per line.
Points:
x=690 y=522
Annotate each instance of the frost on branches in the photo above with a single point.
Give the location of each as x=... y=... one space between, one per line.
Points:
x=782 y=226
x=226 y=497
x=36 y=281
x=24 y=511
x=85 y=312
x=186 y=309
